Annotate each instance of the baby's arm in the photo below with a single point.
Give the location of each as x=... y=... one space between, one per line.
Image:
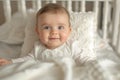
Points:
x=31 y=55
x=4 y=61
x=22 y=59
x=25 y=58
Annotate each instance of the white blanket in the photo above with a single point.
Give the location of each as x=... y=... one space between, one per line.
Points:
x=64 y=69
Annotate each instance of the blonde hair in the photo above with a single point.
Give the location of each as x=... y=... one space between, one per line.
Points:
x=53 y=8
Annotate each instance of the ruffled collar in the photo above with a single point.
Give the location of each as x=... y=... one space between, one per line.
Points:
x=50 y=54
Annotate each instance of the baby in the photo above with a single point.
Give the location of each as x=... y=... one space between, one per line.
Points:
x=53 y=29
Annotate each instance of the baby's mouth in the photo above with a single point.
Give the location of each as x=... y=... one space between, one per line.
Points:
x=53 y=38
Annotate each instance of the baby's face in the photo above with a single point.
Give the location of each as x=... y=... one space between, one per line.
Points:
x=53 y=29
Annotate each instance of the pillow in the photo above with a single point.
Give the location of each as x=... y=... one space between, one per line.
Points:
x=13 y=32
x=83 y=25
x=83 y=30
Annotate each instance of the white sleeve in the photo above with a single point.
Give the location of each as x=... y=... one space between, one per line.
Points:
x=22 y=59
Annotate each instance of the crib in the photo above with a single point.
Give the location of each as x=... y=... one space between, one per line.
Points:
x=107 y=14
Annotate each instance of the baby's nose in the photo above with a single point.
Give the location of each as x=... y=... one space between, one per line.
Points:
x=54 y=32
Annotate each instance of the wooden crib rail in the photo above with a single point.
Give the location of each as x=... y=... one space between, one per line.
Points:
x=37 y=4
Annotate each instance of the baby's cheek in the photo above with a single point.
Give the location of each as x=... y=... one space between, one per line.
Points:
x=64 y=36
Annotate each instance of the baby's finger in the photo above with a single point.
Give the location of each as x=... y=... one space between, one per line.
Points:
x=2 y=63
x=1 y=60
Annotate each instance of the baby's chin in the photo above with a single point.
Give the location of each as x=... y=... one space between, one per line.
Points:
x=53 y=46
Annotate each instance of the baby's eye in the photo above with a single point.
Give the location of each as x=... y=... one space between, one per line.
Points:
x=60 y=27
x=46 y=27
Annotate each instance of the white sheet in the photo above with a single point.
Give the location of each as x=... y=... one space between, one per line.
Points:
x=58 y=70
x=109 y=62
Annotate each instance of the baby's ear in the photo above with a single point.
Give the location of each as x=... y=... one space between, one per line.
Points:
x=36 y=30
x=70 y=28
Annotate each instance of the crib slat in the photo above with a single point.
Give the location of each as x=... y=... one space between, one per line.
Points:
x=39 y=4
x=69 y=5
x=115 y=22
x=34 y=4
x=76 y=6
x=83 y=6
x=63 y=3
x=110 y=22
x=47 y=1
x=22 y=6
x=7 y=9
x=53 y=1
x=118 y=43
x=105 y=19
x=96 y=7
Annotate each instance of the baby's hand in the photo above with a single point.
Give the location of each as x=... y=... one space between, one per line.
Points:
x=4 y=61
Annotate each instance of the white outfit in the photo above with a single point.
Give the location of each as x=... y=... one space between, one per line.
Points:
x=41 y=53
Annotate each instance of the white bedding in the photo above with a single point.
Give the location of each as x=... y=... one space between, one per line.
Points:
x=58 y=70
x=106 y=67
